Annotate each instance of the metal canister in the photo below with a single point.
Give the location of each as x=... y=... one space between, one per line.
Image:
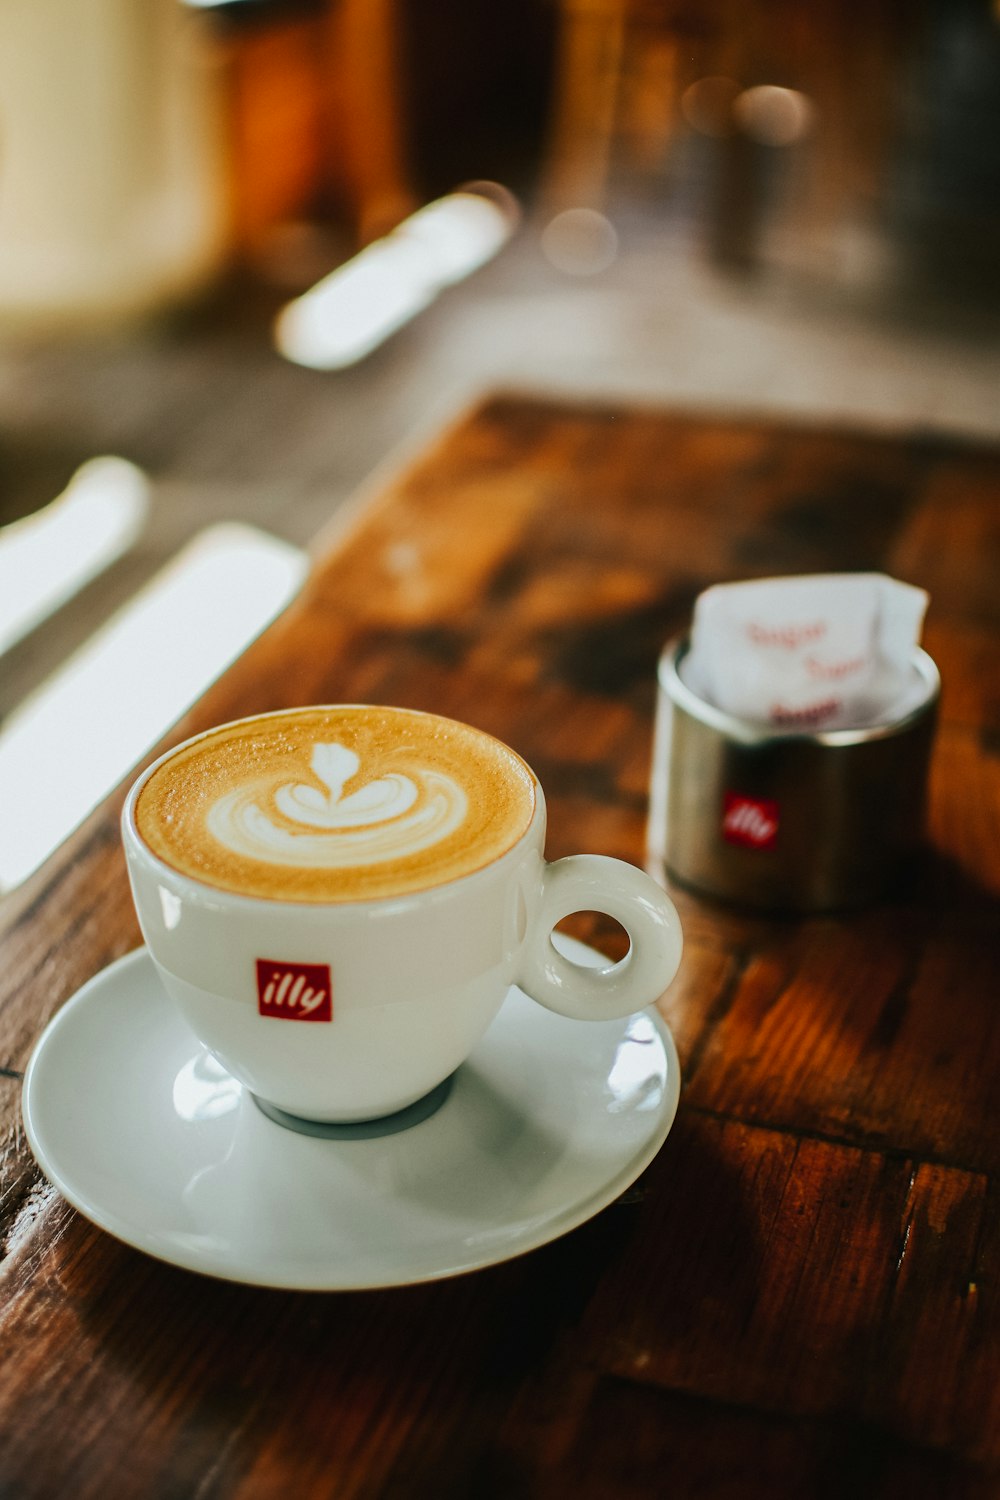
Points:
x=797 y=821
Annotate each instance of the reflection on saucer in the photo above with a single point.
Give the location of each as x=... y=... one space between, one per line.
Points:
x=203 y=1090
x=635 y=1080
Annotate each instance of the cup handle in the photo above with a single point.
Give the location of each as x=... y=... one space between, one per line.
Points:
x=595 y=882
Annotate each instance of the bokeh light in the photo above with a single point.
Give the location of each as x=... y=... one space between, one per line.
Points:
x=580 y=242
x=774 y=116
x=707 y=105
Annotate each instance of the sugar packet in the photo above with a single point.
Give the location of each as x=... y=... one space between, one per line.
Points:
x=817 y=652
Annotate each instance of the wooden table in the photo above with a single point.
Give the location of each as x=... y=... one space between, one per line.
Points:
x=801 y=1296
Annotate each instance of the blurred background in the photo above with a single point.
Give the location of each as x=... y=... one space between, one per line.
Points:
x=252 y=251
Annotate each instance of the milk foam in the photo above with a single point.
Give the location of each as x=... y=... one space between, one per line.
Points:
x=391 y=817
x=346 y=802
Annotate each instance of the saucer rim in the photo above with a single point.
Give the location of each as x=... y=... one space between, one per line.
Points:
x=134 y=1237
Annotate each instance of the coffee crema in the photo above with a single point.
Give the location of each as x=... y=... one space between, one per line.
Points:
x=348 y=803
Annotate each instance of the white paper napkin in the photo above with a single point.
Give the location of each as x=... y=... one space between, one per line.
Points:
x=826 y=651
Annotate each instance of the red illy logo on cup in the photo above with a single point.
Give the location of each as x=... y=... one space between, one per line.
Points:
x=294 y=992
x=752 y=821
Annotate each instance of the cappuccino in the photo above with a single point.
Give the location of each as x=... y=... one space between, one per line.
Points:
x=349 y=803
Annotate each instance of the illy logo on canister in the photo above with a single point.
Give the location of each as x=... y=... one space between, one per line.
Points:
x=751 y=821
x=294 y=992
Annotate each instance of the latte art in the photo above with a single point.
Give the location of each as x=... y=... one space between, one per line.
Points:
x=390 y=818
x=325 y=804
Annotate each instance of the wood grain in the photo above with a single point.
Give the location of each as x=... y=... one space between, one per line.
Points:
x=800 y=1296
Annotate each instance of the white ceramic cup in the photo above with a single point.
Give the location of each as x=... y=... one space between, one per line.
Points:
x=395 y=992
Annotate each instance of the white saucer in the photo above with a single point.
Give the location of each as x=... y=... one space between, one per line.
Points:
x=140 y=1129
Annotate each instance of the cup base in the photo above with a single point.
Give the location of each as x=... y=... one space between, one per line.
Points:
x=360 y=1130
